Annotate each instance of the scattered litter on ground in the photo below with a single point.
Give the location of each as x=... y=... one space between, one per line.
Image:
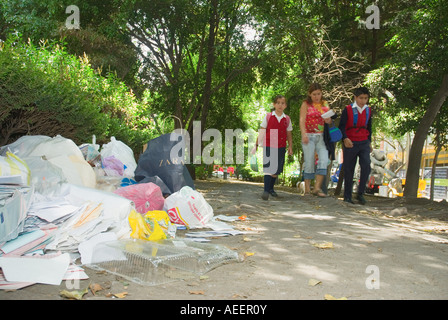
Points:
x=60 y=203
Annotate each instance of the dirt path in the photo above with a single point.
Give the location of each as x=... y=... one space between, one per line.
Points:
x=385 y=250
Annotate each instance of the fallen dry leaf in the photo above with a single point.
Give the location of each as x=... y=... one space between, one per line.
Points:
x=121 y=295
x=95 y=287
x=74 y=295
x=313 y=282
x=196 y=292
x=248 y=254
x=101 y=272
x=330 y=297
x=324 y=245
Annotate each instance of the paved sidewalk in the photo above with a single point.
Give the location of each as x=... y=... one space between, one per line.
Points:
x=301 y=248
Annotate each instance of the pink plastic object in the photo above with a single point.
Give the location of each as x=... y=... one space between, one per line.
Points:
x=146 y=196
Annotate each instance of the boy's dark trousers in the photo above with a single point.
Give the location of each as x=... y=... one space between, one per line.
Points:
x=361 y=150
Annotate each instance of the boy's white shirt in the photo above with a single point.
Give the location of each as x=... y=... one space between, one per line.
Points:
x=355 y=105
x=264 y=123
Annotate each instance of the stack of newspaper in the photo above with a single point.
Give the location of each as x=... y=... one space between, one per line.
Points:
x=15 y=197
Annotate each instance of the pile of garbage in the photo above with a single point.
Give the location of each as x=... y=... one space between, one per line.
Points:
x=60 y=202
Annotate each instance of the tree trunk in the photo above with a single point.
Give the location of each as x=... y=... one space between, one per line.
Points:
x=433 y=170
x=374 y=46
x=214 y=22
x=438 y=146
x=337 y=192
x=415 y=153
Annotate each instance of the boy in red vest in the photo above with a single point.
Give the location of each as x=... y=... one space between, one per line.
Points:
x=275 y=132
x=356 y=128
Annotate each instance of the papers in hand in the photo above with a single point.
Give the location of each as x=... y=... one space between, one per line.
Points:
x=328 y=114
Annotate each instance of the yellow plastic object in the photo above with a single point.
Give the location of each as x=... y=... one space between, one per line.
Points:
x=421 y=188
x=145 y=228
x=161 y=217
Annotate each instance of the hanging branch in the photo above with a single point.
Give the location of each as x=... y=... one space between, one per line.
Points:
x=337 y=73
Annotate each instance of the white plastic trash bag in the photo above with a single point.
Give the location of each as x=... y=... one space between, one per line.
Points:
x=121 y=152
x=188 y=207
x=61 y=152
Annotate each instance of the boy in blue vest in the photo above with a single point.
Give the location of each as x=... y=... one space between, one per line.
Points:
x=356 y=128
x=275 y=134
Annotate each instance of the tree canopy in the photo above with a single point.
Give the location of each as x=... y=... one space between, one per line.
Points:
x=133 y=63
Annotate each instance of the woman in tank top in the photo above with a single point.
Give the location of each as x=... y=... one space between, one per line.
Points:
x=312 y=128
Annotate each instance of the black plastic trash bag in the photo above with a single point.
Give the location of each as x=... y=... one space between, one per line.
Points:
x=158 y=161
x=156 y=180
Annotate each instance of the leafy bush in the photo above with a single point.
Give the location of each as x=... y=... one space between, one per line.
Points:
x=46 y=91
x=203 y=171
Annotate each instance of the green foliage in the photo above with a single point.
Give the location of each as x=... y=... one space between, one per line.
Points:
x=203 y=171
x=34 y=19
x=99 y=36
x=44 y=90
x=412 y=81
x=404 y=85
x=225 y=74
